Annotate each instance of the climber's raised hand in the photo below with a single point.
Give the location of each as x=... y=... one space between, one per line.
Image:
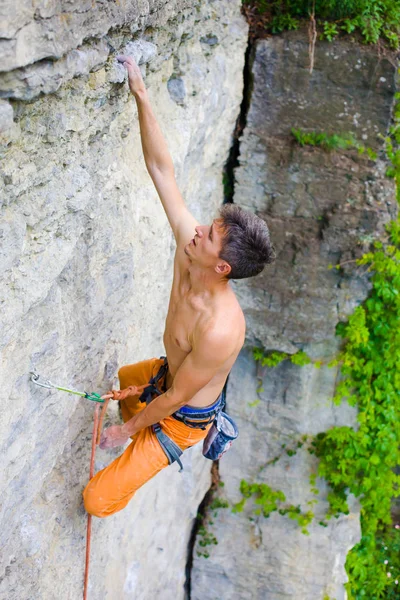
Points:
x=135 y=79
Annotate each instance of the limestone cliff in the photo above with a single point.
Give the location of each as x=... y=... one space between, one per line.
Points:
x=86 y=263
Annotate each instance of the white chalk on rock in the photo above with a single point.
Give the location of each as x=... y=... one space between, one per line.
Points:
x=143 y=52
x=6 y=115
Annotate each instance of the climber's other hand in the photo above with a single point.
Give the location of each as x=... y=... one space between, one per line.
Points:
x=135 y=79
x=112 y=437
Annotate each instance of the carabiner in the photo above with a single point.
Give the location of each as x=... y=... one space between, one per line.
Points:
x=35 y=377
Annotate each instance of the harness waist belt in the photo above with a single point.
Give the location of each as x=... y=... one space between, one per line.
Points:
x=199 y=418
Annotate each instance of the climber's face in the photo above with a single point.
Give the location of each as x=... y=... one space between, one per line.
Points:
x=205 y=247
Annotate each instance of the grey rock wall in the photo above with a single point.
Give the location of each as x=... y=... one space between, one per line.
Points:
x=271 y=559
x=86 y=262
x=321 y=208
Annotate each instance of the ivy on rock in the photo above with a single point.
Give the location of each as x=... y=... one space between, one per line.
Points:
x=370 y=19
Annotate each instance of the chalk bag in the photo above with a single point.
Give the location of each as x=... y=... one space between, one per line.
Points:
x=220 y=436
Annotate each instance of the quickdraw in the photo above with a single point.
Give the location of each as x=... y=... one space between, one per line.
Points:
x=46 y=383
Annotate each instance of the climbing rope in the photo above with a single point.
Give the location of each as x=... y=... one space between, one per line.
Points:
x=132 y=390
x=95 y=436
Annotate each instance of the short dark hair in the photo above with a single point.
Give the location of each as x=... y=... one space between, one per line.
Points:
x=246 y=244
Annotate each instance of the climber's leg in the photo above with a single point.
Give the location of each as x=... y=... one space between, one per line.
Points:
x=111 y=489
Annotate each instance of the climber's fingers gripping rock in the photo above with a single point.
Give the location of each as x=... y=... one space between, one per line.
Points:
x=136 y=83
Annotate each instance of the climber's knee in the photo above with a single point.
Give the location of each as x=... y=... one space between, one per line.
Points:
x=98 y=505
x=123 y=372
x=94 y=503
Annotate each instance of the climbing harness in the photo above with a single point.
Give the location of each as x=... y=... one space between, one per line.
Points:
x=171 y=450
x=222 y=432
x=220 y=436
x=199 y=418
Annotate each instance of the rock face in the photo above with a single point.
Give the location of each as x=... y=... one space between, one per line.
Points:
x=321 y=208
x=86 y=262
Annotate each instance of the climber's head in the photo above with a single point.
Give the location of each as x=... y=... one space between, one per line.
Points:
x=246 y=245
x=236 y=245
x=204 y=249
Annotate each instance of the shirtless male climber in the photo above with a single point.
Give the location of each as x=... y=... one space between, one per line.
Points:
x=204 y=329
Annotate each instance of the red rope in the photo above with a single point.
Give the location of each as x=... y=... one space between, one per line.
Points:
x=132 y=390
x=100 y=425
x=89 y=519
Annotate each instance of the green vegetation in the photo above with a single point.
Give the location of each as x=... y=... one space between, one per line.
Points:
x=219 y=503
x=271 y=359
x=393 y=148
x=360 y=461
x=268 y=500
x=255 y=402
x=332 y=141
x=371 y=19
x=207 y=539
x=388 y=552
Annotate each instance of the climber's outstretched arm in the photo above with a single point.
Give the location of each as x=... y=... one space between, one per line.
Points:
x=158 y=159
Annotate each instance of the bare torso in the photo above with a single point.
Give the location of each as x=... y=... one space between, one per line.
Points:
x=188 y=315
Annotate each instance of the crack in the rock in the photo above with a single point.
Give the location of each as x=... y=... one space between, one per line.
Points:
x=323 y=223
x=234 y=153
x=229 y=190
x=199 y=520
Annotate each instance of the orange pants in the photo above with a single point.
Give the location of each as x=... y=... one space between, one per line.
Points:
x=111 y=489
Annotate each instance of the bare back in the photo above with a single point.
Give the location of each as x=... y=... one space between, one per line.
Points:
x=189 y=316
